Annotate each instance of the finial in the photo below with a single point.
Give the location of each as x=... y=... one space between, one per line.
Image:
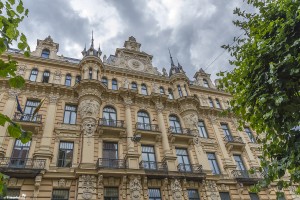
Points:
x=172 y=63
x=92 y=44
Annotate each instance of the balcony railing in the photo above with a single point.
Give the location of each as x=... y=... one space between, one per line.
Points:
x=244 y=174
x=28 y=118
x=179 y=130
x=155 y=166
x=111 y=123
x=236 y=139
x=22 y=163
x=189 y=168
x=146 y=127
x=111 y=163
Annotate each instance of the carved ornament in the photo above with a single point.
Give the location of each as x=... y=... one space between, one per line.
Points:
x=135 y=188
x=87 y=186
x=176 y=190
x=89 y=108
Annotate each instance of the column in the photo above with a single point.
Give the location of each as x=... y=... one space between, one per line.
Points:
x=184 y=92
x=8 y=110
x=55 y=152
x=95 y=69
x=130 y=144
x=85 y=73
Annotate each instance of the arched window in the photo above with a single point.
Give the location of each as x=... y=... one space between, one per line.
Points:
x=218 y=104
x=205 y=83
x=104 y=81
x=109 y=116
x=33 y=74
x=144 y=89
x=46 y=76
x=179 y=91
x=45 y=53
x=78 y=79
x=162 y=90
x=171 y=96
x=143 y=120
x=211 y=103
x=90 y=73
x=68 y=80
x=134 y=86
x=114 y=83
x=175 y=124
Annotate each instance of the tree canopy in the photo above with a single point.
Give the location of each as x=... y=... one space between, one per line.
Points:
x=265 y=84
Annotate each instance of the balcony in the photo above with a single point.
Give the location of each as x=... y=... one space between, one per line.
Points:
x=106 y=163
x=21 y=167
x=181 y=131
x=234 y=143
x=111 y=125
x=191 y=172
x=243 y=176
x=183 y=134
x=147 y=130
x=154 y=169
x=27 y=121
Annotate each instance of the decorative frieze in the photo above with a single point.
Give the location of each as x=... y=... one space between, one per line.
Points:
x=88 y=187
x=135 y=187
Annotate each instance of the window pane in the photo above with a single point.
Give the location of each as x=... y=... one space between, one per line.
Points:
x=213 y=163
x=224 y=195
x=70 y=114
x=111 y=192
x=253 y=196
x=154 y=194
x=193 y=195
x=60 y=194
x=65 y=154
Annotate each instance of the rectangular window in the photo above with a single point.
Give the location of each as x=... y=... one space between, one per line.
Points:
x=213 y=163
x=202 y=129
x=148 y=156
x=154 y=194
x=193 y=195
x=224 y=195
x=65 y=154
x=111 y=193
x=253 y=196
x=226 y=132
x=30 y=106
x=19 y=154
x=250 y=135
x=60 y=194
x=11 y=193
x=70 y=114
x=110 y=155
x=239 y=163
x=183 y=160
x=46 y=76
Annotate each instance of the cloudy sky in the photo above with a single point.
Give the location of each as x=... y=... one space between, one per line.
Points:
x=194 y=30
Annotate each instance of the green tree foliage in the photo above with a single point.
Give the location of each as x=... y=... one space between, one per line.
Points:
x=265 y=84
x=12 y=14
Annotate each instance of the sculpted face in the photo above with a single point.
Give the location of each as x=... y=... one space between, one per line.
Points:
x=89 y=127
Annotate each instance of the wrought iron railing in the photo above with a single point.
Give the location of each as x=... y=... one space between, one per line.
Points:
x=229 y=138
x=146 y=127
x=179 y=130
x=111 y=163
x=28 y=118
x=111 y=123
x=247 y=175
x=22 y=163
x=189 y=168
x=150 y=165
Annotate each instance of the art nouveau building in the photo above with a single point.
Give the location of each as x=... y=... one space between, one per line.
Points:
x=116 y=128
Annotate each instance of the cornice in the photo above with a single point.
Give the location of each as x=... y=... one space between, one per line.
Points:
x=209 y=90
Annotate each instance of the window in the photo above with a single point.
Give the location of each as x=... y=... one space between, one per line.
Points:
x=183 y=160
x=218 y=104
x=68 y=80
x=109 y=115
x=90 y=73
x=45 y=53
x=171 y=96
x=148 y=156
x=110 y=155
x=202 y=129
x=111 y=193
x=175 y=124
x=205 y=83
x=154 y=194
x=11 y=193
x=30 y=106
x=250 y=135
x=114 y=84
x=239 y=163
x=143 y=120
x=60 y=194
x=193 y=194
x=78 y=79
x=33 y=75
x=186 y=92
x=144 y=89
x=65 y=154
x=179 y=91
x=224 y=195
x=281 y=197
x=226 y=132
x=134 y=86
x=162 y=90
x=46 y=76
x=19 y=154
x=104 y=81
x=70 y=114
x=211 y=103
x=213 y=163
x=253 y=196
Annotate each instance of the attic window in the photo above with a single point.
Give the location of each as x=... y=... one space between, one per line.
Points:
x=45 y=53
x=205 y=83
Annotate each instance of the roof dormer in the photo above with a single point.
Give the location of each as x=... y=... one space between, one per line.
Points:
x=203 y=79
x=46 y=48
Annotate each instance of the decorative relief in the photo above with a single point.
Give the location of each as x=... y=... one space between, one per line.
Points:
x=21 y=71
x=191 y=121
x=125 y=83
x=53 y=99
x=135 y=188
x=159 y=107
x=223 y=187
x=127 y=101
x=100 y=186
x=87 y=186
x=72 y=127
x=89 y=108
x=165 y=188
x=155 y=88
x=124 y=182
x=12 y=93
x=12 y=182
x=57 y=77
x=145 y=186
x=176 y=190
x=89 y=127
x=61 y=182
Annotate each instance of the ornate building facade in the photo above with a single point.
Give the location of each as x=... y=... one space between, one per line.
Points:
x=117 y=128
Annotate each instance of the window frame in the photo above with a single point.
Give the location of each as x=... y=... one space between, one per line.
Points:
x=180 y=93
x=227 y=195
x=193 y=197
x=202 y=129
x=104 y=81
x=150 y=161
x=114 y=84
x=218 y=104
x=161 y=90
x=71 y=113
x=214 y=165
x=205 y=83
x=170 y=94
x=250 y=134
x=65 y=152
x=211 y=102
x=33 y=74
x=65 y=190
x=90 y=73
x=175 y=123
x=134 y=86
x=253 y=196
x=77 y=79
x=184 y=159
x=240 y=165
x=46 y=76
x=144 y=90
x=68 y=80
x=154 y=197
x=45 y=53
x=112 y=197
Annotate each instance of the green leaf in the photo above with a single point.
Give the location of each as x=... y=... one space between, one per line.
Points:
x=14 y=131
x=17 y=82
x=20 y=8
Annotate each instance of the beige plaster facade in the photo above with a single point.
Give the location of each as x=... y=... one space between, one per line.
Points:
x=93 y=168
